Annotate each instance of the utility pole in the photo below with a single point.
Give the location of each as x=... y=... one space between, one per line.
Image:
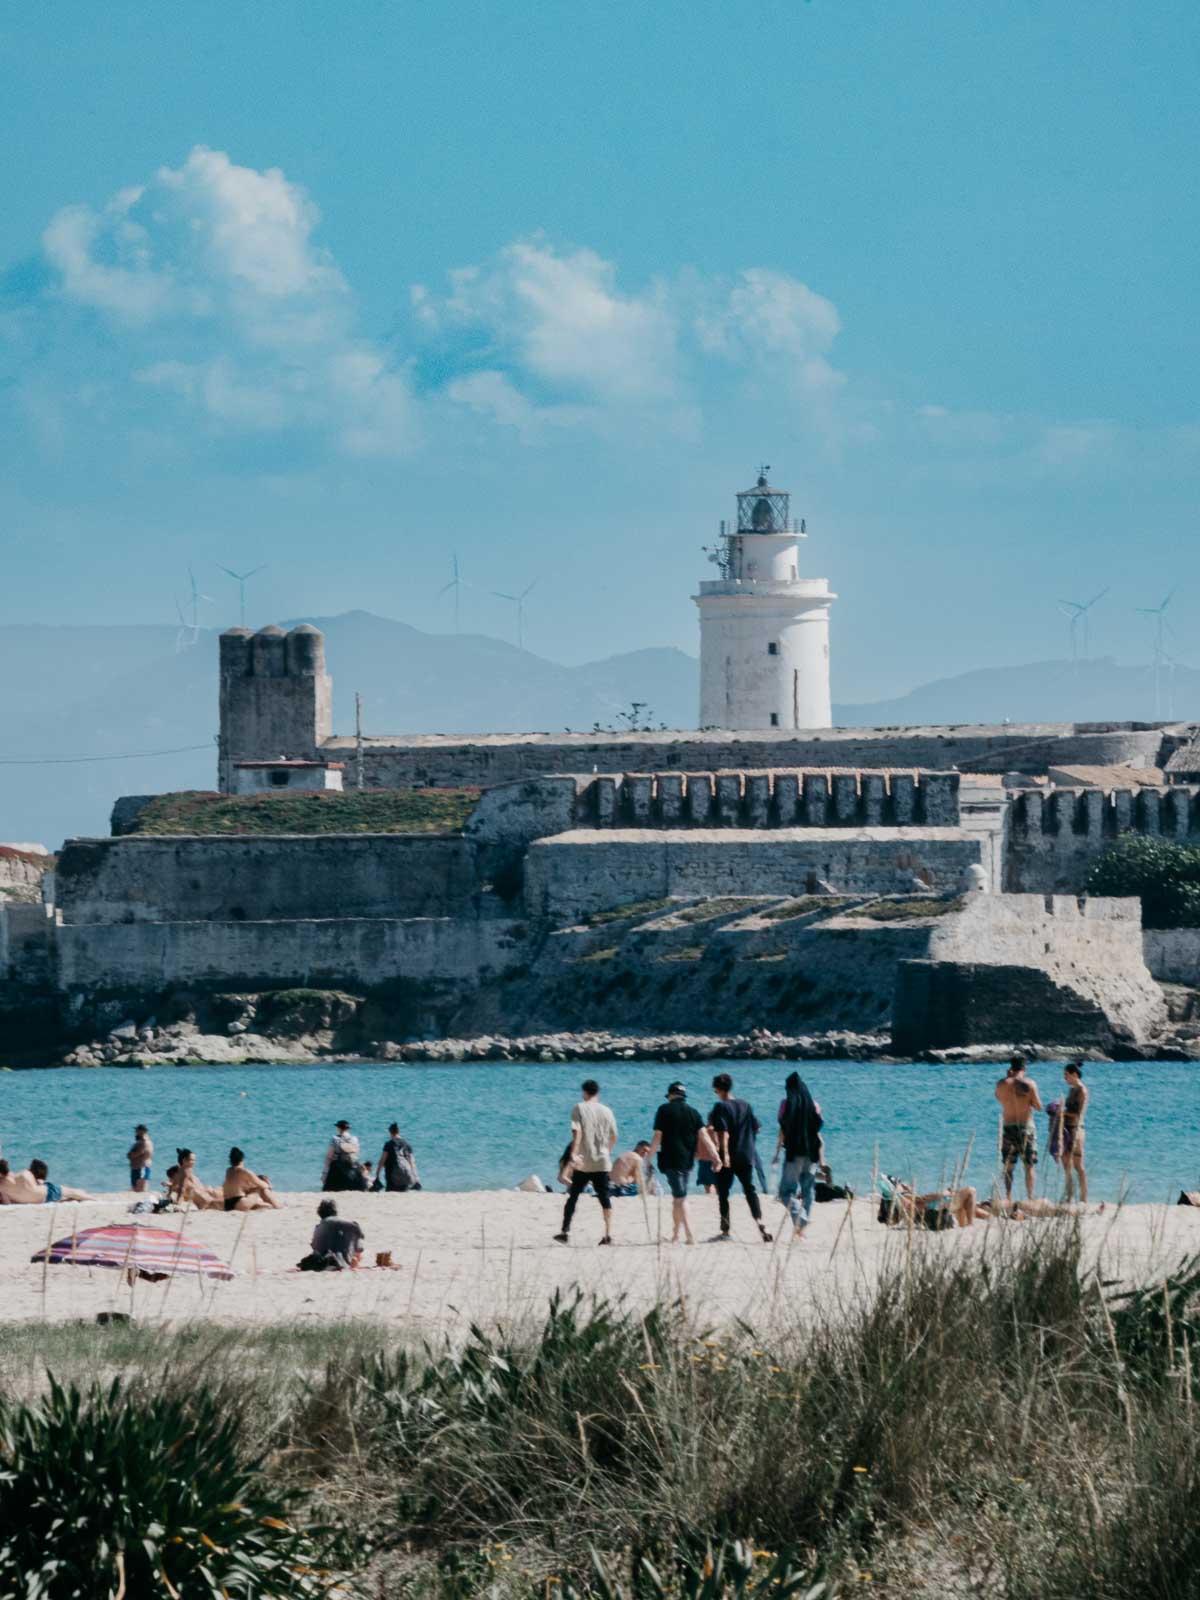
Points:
x=358 y=741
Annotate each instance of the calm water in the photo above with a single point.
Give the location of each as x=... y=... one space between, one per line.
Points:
x=487 y=1126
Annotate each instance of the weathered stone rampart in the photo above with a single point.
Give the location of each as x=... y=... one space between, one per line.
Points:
x=1054 y=838
x=574 y=874
x=247 y=878
x=1054 y=968
x=483 y=760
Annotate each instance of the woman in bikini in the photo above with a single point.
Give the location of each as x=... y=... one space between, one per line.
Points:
x=185 y=1189
x=1073 y=1112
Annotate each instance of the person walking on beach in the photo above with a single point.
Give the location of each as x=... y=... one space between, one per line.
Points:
x=1071 y=1131
x=139 y=1156
x=593 y=1137
x=799 y=1140
x=341 y=1170
x=1019 y=1099
x=677 y=1127
x=397 y=1171
x=734 y=1125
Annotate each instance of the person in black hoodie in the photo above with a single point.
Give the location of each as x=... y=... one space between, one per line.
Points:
x=800 y=1141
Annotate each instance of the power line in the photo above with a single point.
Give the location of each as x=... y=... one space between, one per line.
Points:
x=132 y=755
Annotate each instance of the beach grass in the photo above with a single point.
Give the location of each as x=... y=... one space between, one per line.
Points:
x=1000 y=1421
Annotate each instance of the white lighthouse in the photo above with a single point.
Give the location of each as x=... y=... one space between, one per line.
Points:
x=764 y=630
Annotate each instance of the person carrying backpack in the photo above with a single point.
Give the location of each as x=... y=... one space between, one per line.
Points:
x=397 y=1167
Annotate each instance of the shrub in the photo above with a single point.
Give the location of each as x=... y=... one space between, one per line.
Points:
x=104 y=1494
x=1164 y=875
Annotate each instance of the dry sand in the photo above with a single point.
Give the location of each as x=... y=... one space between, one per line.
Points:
x=489 y=1257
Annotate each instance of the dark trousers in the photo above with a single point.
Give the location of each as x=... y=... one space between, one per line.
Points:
x=743 y=1171
x=579 y=1182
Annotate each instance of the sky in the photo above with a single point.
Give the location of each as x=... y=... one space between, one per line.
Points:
x=353 y=291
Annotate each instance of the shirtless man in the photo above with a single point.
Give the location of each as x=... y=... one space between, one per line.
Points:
x=1019 y=1099
x=630 y=1172
x=244 y=1190
x=33 y=1187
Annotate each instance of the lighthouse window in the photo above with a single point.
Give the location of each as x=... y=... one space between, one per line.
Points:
x=773 y=648
x=774 y=719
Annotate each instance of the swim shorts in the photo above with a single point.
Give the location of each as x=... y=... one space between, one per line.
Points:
x=1019 y=1143
x=53 y=1193
x=139 y=1174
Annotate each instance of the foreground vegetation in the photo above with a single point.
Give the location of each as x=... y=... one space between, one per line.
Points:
x=991 y=1423
x=350 y=811
x=1162 y=874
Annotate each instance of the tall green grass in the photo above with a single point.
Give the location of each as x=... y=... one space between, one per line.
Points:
x=994 y=1422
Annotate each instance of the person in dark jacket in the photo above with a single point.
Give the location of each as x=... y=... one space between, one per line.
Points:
x=799 y=1141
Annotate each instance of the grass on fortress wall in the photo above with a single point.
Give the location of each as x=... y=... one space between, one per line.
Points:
x=352 y=811
x=992 y=1423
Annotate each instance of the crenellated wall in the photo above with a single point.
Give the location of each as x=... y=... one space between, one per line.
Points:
x=1054 y=838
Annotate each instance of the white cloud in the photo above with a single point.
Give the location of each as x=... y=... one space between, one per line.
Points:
x=212 y=272
x=561 y=320
x=563 y=342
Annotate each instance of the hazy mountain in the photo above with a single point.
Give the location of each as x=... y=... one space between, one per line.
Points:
x=115 y=692
x=119 y=691
x=1044 y=691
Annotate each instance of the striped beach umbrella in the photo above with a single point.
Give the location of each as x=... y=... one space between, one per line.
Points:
x=133 y=1247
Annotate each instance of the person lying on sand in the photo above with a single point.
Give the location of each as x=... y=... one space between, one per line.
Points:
x=33 y=1187
x=185 y=1189
x=244 y=1190
x=943 y=1208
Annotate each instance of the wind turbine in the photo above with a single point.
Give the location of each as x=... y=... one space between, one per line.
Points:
x=242 y=578
x=457 y=583
x=1078 y=611
x=519 y=601
x=1159 y=613
x=189 y=629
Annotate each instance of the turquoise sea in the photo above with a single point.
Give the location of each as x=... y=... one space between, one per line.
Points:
x=488 y=1126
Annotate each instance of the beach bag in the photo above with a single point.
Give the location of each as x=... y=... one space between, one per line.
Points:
x=823 y=1191
x=399 y=1174
x=327 y=1262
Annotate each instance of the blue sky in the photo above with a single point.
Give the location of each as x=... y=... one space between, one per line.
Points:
x=348 y=289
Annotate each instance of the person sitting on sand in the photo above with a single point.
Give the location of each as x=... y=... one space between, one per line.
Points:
x=33 y=1187
x=630 y=1174
x=244 y=1190
x=337 y=1238
x=185 y=1189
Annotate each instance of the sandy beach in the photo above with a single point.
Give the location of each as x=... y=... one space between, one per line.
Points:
x=489 y=1257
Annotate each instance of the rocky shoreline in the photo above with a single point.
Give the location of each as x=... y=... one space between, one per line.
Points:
x=182 y=1044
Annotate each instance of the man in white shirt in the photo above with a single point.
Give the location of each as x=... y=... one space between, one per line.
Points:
x=593 y=1138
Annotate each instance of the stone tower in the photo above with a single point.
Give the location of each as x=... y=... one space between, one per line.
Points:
x=276 y=697
x=764 y=630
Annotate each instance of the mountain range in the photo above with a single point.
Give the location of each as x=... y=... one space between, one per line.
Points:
x=90 y=713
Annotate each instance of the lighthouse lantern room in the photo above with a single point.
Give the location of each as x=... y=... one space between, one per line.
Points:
x=764 y=630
